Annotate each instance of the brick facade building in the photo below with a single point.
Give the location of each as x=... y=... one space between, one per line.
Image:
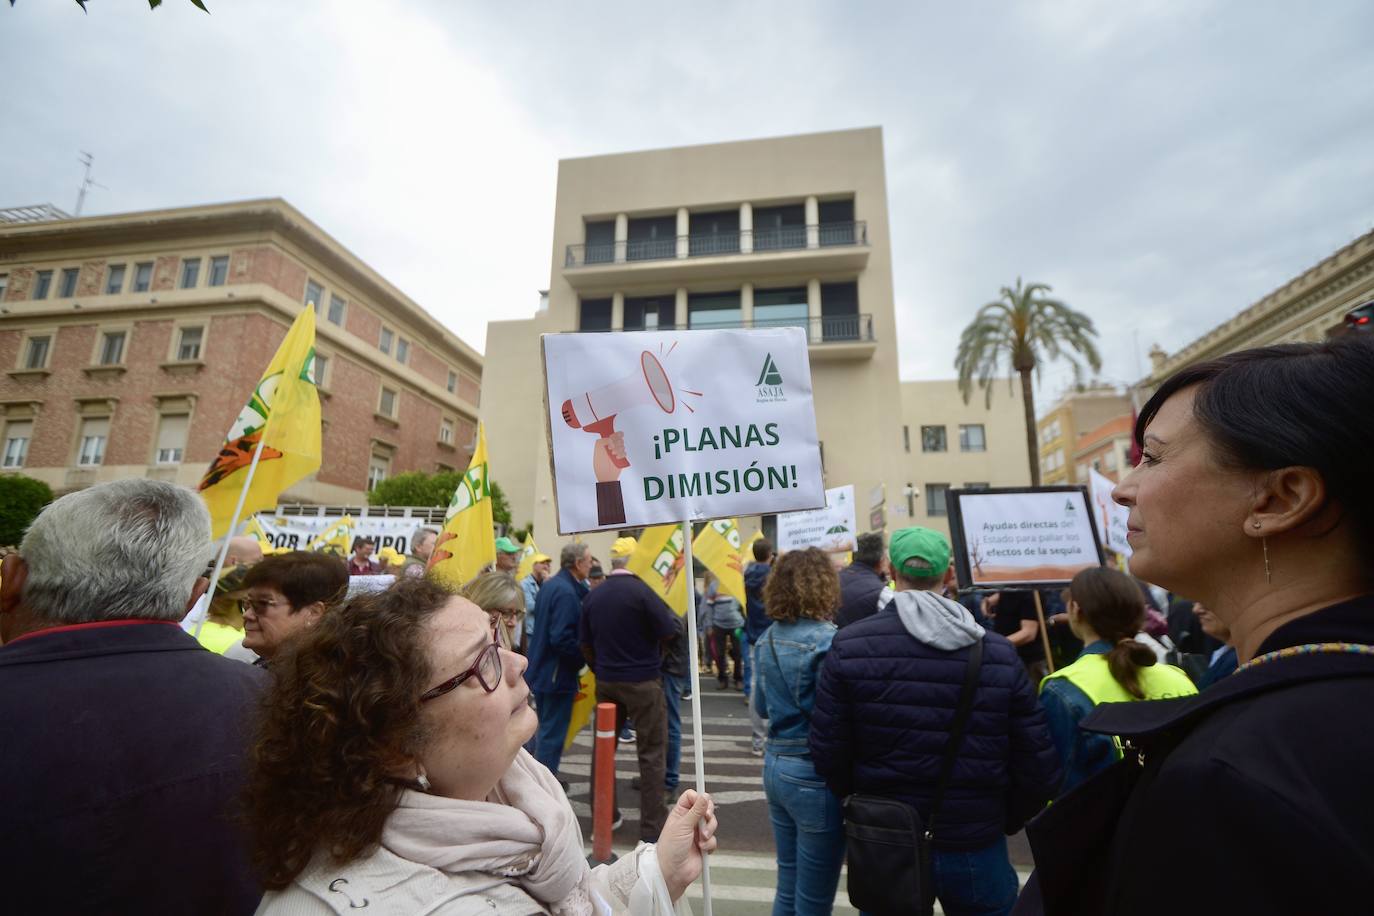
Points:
x=129 y=343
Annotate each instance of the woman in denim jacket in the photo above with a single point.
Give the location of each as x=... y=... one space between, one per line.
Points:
x=808 y=827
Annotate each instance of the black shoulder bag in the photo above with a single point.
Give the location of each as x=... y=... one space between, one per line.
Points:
x=889 y=847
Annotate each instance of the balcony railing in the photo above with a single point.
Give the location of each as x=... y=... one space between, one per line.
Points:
x=825 y=329
x=716 y=244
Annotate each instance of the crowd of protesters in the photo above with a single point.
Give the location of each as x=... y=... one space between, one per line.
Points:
x=400 y=748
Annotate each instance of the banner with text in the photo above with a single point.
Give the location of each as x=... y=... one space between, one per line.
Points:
x=1022 y=536
x=647 y=428
x=296 y=532
x=1111 y=517
x=832 y=529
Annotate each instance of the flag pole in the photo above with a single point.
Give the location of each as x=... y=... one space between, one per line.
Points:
x=699 y=751
x=229 y=533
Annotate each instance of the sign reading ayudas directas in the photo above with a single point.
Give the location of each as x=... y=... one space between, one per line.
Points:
x=1022 y=535
x=648 y=428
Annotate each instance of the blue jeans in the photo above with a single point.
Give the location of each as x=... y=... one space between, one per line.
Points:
x=555 y=715
x=808 y=828
x=673 y=686
x=978 y=883
x=747 y=651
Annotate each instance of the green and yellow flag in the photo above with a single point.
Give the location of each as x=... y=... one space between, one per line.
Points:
x=337 y=538
x=527 y=558
x=467 y=544
x=283 y=414
x=718 y=549
x=658 y=561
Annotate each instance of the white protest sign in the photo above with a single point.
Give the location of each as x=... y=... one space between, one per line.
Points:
x=294 y=532
x=649 y=428
x=1022 y=536
x=833 y=529
x=1111 y=517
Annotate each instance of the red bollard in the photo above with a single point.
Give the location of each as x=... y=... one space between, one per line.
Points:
x=603 y=783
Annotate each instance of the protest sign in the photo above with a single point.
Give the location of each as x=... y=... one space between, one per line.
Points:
x=683 y=425
x=832 y=529
x=1110 y=516
x=1022 y=536
x=297 y=532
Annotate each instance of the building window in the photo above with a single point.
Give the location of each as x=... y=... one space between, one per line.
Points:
x=446 y=431
x=906 y=438
x=314 y=295
x=649 y=313
x=189 y=343
x=377 y=470
x=321 y=370
x=1109 y=459
x=972 y=438
x=600 y=246
x=67 y=286
x=386 y=405
x=112 y=348
x=190 y=273
x=840 y=311
x=143 y=277
x=713 y=233
x=114 y=280
x=171 y=438
x=384 y=342
x=933 y=439
x=17 y=435
x=936 y=494
x=837 y=222
x=779 y=227
x=41 y=284
x=4 y=285
x=336 y=310
x=595 y=315
x=714 y=310
x=977 y=486
x=219 y=270
x=778 y=308
x=36 y=357
x=651 y=238
x=94 y=432
x=402 y=349
x=452 y=381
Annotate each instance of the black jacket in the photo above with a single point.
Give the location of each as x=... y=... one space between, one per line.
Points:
x=859 y=589
x=1253 y=797
x=121 y=759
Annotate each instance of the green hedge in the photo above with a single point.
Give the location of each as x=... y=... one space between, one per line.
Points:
x=21 y=498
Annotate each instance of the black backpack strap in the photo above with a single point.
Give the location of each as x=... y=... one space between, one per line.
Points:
x=956 y=735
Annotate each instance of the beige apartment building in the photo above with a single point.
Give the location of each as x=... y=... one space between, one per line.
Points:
x=1106 y=450
x=759 y=233
x=1307 y=308
x=129 y=343
x=949 y=445
x=1059 y=428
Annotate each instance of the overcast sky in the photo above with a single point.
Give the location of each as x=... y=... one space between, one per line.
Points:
x=1162 y=165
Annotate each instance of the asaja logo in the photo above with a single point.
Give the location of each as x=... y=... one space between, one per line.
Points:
x=769 y=385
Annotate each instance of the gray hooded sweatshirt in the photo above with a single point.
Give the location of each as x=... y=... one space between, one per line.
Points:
x=935 y=620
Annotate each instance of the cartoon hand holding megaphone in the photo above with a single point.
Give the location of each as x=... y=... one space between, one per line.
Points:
x=595 y=411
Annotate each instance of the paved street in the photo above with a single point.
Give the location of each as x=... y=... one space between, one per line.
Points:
x=743 y=871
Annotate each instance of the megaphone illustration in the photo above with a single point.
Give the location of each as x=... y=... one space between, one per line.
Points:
x=595 y=411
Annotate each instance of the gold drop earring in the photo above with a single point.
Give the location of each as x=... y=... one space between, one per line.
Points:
x=1264 y=545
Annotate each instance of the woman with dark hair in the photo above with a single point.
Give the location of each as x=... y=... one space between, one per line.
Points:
x=1106 y=612
x=388 y=773
x=1254 y=498
x=801 y=595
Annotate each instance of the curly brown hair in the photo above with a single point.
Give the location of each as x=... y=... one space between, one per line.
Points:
x=803 y=583
x=342 y=714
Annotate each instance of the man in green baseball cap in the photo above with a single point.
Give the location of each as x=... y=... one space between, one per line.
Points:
x=919 y=555
x=508 y=555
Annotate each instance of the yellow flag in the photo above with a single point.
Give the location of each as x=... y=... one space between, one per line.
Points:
x=658 y=561
x=254 y=531
x=746 y=550
x=337 y=538
x=468 y=542
x=527 y=558
x=584 y=704
x=717 y=547
x=283 y=414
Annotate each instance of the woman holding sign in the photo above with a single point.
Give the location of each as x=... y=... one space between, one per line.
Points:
x=1254 y=496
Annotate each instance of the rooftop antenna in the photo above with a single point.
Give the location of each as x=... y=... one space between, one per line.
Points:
x=86 y=183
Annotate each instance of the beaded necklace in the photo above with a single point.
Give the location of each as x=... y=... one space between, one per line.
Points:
x=1344 y=648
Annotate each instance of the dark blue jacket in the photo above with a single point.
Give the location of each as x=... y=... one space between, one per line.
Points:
x=756 y=620
x=555 y=652
x=860 y=587
x=883 y=713
x=122 y=756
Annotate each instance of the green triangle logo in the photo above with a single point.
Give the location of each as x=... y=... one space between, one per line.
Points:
x=770 y=374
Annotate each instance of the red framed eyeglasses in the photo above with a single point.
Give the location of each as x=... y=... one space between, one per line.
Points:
x=486 y=667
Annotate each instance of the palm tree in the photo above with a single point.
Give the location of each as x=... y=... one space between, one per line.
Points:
x=1023 y=327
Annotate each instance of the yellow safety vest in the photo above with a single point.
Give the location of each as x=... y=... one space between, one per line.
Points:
x=1091 y=675
x=218 y=637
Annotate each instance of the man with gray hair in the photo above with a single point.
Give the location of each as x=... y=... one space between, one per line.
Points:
x=123 y=739
x=863 y=580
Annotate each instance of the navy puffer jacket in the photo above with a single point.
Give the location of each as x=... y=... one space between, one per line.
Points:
x=884 y=708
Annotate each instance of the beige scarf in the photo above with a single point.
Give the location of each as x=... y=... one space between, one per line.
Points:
x=525 y=831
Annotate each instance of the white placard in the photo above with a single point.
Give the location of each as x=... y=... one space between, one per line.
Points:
x=648 y=428
x=834 y=528
x=1026 y=537
x=1111 y=517
x=294 y=532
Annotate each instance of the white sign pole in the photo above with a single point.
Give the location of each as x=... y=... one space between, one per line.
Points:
x=224 y=548
x=699 y=751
